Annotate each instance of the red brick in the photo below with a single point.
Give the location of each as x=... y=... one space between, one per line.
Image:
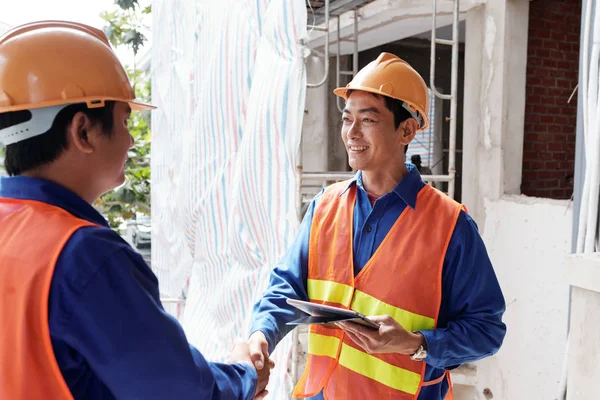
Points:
x=543 y=33
x=552 y=73
x=547 y=119
x=556 y=146
x=548 y=82
x=539 y=146
x=530 y=175
x=543 y=53
x=537 y=165
x=565 y=83
x=546 y=174
x=533 y=80
x=554 y=128
x=535 y=42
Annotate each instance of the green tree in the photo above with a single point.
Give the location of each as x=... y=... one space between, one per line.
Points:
x=125 y=26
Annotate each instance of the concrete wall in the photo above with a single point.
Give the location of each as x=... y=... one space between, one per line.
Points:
x=584 y=337
x=314 y=125
x=584 y=357
x=528 y=240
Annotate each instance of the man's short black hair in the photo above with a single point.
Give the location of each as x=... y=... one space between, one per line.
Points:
x=401 y=114
x=46 y=148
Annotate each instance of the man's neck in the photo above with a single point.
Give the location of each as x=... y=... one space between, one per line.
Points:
x=72 y=181
x=383 y=181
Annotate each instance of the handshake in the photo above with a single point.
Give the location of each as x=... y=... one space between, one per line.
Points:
x=256 y=353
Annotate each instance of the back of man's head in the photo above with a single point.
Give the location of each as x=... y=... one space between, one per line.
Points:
x=76 y=71
x=40 y=150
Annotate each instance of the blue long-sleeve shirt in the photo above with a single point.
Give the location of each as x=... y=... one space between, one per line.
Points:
x=470 y=323
x=111 y=336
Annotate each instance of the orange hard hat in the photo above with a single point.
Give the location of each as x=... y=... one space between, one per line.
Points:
x=391 y=76
x=53 y=63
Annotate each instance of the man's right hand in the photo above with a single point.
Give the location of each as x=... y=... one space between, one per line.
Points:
x=259 y=352
x=241 y=354
x=259 y=349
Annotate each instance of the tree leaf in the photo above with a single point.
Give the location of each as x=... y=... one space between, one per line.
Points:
x=127 y=4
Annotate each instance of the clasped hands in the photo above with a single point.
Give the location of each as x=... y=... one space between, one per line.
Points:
x=245 y=352
x=391 y=337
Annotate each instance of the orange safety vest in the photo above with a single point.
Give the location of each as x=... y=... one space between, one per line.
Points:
x=32 y=236
x=403 y=279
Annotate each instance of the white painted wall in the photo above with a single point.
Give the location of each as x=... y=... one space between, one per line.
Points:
x=314 y=124
x=584 y=340
x=494 y=102
x=584 y=345
x=528 y=240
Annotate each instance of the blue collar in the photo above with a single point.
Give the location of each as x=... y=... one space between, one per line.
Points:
x=25 y=188
x=407 y=189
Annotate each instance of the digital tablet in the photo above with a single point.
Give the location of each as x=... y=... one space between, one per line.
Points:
x=323 y=314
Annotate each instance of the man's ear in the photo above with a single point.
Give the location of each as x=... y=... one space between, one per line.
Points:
x=78 y=133
x=407 y=131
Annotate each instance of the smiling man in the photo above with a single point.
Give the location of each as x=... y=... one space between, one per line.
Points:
x=387 y=245
x=80 y=316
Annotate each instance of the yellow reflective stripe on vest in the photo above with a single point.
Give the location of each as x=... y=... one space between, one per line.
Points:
x=379 y=370
x=369 y=305
x=321 y=345
x=330 y=291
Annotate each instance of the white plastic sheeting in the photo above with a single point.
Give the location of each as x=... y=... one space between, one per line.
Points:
x=229 y=81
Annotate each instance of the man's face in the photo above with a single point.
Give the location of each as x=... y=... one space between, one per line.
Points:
x=112 y=150
x=369 y=134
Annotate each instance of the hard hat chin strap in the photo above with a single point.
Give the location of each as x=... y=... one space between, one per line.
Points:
x=40 y=122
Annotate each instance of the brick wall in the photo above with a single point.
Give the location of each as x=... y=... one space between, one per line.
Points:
x=552 y=74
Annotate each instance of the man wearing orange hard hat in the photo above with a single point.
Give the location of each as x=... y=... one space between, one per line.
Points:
x=388 y=246
x=80 y=316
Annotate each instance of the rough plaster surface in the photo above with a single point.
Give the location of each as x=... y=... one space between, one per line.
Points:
x=584 y=348
x=527 y=240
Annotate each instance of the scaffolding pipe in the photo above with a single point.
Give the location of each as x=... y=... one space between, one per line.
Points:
x=453 y=86
x=355 y=54
x=453 y=103
x=326 y=29
x=338 y=100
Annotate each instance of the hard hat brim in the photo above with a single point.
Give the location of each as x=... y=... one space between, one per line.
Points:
x=341 y=92
x=137 y=105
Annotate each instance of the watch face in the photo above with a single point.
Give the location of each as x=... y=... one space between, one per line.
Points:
x=420 y=355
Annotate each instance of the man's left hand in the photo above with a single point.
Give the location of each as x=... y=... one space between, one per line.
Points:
x=390 y=338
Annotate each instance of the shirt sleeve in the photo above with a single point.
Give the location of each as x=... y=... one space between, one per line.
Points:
x=137 y=349
x=472 y=303
x=287 y=281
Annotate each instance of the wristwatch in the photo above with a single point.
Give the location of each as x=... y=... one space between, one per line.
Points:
x=420 y=355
